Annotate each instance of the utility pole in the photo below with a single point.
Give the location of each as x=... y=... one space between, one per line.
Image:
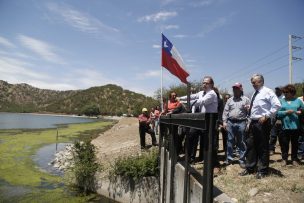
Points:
x=291 y=58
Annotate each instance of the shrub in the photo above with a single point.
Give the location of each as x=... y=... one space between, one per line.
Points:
x=91 y=110
x=136 y=167
x=85 y=167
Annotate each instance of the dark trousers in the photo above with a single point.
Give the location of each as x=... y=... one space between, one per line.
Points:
x=275 y=132
x=224 y=137
x=258 y=146
x=194 y=135
x=293 y=137
x=143 y=129
x=301 y=145
x=180 y=138
x=198 y=135
x=215 y=140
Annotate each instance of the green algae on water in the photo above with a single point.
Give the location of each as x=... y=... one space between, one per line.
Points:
x=18 y=169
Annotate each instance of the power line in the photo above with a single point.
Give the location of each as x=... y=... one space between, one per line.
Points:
x=255 y=62
x=232 y=75
x=244 y=71
x=254 y=68
x=278 y=68
x=275 y=69
x=266 y=73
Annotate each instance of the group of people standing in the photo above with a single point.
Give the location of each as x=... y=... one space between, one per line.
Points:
x=246 y=124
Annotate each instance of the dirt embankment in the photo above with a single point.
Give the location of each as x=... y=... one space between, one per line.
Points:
x=121 y=140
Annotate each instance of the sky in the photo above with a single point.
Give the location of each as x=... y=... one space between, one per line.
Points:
x=77 y=44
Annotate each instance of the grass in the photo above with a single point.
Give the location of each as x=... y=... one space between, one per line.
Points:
x=17 y=148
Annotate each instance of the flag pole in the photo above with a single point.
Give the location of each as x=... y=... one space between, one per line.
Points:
x=161 y=89
x=188 y=96
x=161 y=77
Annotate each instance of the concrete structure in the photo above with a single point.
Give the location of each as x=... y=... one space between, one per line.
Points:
x=146 y=191
x=194 y=192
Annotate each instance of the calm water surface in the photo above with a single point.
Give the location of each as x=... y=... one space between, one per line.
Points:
x=34 y=121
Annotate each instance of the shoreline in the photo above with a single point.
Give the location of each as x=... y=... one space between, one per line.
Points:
x=68 y=115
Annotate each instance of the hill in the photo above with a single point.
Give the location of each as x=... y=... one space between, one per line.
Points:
x=109 y=99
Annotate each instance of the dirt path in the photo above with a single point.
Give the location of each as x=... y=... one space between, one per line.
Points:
x=121 y=140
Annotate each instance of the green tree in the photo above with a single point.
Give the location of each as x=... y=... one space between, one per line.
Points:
x=91 y=110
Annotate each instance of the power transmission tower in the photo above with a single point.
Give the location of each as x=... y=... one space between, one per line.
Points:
x=291 y=58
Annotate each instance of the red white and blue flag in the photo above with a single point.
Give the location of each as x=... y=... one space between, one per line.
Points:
x=172 y=60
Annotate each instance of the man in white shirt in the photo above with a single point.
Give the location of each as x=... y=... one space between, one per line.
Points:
x=264 y=104
x=207 y=102
x=206 y=99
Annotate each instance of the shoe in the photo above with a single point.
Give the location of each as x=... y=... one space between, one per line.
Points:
x=284 y=163
x=192 y=161
x=295 y=163
x=216 y=171
x=243 y=165
x=260 y=175
x=245 y=172
x=228 y=162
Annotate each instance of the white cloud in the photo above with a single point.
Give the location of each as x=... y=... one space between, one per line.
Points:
x=51 y=85
x=191 y=66
x=88 y=77
x=165 y=2
x=15 y=69
x=5 y=42
x=201 y=3
x=190 y=60
x=169 y=27
x=160 y=16
x=156 y=46
x=81 y=21
x=18 y=71
x=220 y=22
x=148 y=74
x=180 y=36
x=41 y=48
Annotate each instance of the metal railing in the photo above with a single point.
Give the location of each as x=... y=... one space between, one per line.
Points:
x=169 y=141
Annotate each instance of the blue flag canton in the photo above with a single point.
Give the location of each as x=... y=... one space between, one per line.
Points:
x=167 y=45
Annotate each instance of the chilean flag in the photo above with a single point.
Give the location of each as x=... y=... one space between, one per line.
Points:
x=172 y=60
